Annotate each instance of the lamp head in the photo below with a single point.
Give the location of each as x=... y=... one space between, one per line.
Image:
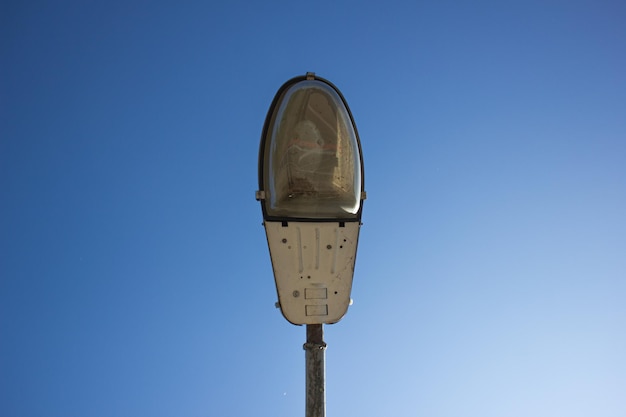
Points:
x=311 y=193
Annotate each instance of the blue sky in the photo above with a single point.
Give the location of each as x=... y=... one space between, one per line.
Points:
x=135 y=278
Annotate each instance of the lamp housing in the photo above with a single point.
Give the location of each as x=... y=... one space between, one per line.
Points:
x=311 y=192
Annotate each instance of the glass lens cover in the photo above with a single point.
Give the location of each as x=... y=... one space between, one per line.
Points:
x=313 y=169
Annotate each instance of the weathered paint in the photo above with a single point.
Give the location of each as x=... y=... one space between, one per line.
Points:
x=313 y=268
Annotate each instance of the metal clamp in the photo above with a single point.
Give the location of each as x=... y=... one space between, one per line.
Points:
x=314 y=346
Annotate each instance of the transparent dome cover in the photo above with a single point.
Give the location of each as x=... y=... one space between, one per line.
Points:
x=312 y=163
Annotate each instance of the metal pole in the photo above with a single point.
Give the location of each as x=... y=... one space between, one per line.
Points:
x=315 y=370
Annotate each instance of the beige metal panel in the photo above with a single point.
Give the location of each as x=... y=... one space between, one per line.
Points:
x=313 y=267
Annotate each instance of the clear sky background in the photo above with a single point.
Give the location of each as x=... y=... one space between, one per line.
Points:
x=135 y=278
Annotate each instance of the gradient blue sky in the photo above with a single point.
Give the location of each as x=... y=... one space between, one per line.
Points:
x=134 y=274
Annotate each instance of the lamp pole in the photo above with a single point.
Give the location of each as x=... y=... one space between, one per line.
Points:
x=315 y=349
x=311 y=193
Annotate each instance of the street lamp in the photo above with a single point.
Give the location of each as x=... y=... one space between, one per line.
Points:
x=311 y=193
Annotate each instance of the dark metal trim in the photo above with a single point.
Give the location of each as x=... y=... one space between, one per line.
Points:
x=309 y=219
